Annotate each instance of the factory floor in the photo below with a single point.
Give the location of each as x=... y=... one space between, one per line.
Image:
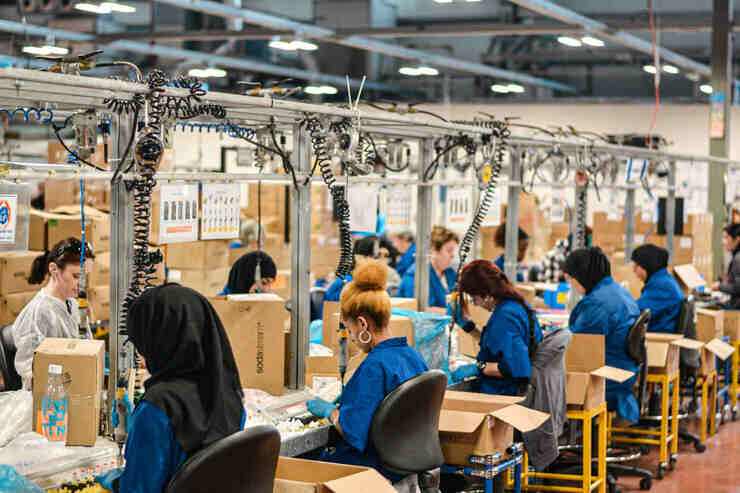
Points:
x=717 y=470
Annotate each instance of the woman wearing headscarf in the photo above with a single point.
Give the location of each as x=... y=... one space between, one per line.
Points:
x=512 y=330
x=609 y=310
x=661 y=294
x=244 y=278
x=730 y=283
x=193 y=397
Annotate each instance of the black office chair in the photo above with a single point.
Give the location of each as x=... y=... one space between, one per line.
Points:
x=317 y=303
x=7 y=359
x=244 y=462
x=405 y=428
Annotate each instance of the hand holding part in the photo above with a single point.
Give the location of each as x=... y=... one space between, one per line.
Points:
x=465 y=371
x=320 y=407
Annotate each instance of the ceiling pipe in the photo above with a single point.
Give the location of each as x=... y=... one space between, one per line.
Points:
x=358 y=42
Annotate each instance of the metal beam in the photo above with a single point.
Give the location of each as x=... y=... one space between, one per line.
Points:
x=317 y=32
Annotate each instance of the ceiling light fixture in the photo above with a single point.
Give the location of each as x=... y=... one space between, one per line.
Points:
x=296 y=44
x=500 y=88
x=670 y=69
x=412 y=71
x=204 y=73
x=420 y=70
x=45 y=50
x=427 y=70
x=591 y=41
x=443 y=1
x=705 y=88
x=650 y=69
x=305 y=45
x=105 y=8
x=318 y=90
x=568 y=41
x=516 y=88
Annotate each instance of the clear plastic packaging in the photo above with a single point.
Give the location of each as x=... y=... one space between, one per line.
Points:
x=16 y=415
x=54 y=407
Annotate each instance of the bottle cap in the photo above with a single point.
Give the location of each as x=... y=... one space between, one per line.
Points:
x=55 y=369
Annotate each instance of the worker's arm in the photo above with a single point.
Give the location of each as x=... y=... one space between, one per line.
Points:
x=491 y=370
x=436 y=309
x=335 y=421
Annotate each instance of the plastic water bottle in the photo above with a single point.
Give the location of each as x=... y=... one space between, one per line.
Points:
x=55 y=407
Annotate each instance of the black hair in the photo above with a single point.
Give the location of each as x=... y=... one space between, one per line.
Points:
x=732 y=229
x=500 y=237
x=406 y=235
x=64 y=253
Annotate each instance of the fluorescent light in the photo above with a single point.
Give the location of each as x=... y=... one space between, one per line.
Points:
x=471 y=1
x=304 y=45
x=515 y=88
x=56 y=50
x=591 y=41
x=568 y=41
x=282 y=45
x=317 y=90
x=204 y=73
x=217 y=72
x=669 y=69
x=427 y=71
x=500 y=88
x=329 y=90
x=443 y=1
x=198 y=72
x=91 y=7
x=705 y=88
x=650 y=69
x=118 y=7
x=45 y=50
x=412 y=71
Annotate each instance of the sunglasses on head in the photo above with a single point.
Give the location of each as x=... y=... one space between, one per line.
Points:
x=75 y=246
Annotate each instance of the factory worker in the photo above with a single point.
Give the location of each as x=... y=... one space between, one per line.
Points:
x=243 y=274
x=441 y=275
x=522 y=246
x=365 y=310
x=661 y=294
x=607 y=309
x=730 y=283
x=248 y=235
x=405 y=245
x=53 y=312
x=550 y=269
x=193 y=397
x=512 y=329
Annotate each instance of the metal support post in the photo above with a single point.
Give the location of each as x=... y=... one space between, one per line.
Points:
x=423 y=227
x=719 y=123
x=122 y=255
x=300 y=285
x=629 y=214
x=670 y=212
x=511 y=251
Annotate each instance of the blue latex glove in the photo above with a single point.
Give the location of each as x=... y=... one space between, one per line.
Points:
x=106 y=480
x=129 y=411
x=320 y=407
x=454 y=311
x=465 y=371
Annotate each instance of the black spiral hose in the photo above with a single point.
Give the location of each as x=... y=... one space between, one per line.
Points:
x=579 y=212
x=321 y=153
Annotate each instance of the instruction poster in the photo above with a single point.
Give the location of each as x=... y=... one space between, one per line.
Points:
x=397 y=208
x=459 y=208
x=494 y=210
x=8 y=213
x=178 y=214
x=557 y=210
x=363 y=207
x=220 y=215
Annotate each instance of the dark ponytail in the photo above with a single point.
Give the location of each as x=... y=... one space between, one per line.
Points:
x=39 y=269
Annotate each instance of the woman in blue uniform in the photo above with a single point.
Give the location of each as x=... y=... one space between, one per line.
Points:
x=661 y=294
x=193 y=397
x=441 y=274
x=522 y=246
x=730 y=283
x=365 y=310
x=509 y=337
x=243 y=274
x=404 y=243
x=607 y=309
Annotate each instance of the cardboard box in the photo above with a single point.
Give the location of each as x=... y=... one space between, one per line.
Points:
x=712 y=350
x=307 y=476
x=481 y=424
x=466 y=345
x=688 y=278
x=698 y=225
x=98 y=234
x=687 y=249
x=60 y=192
x=585 y=371
x=528 y=292
x=624 y=274
x=97 y=195
x=709 y=324
x=256 y=330
x=100 y=273
x=558 y=231
x=58 y=154
x=663 y=354
x=83 y=366
x=199 y=255
x=15 y=267
x=732 y=324
x=99 y=300
x=12 y=304
x=405 y=303
x=206 y=282
x=281 y=286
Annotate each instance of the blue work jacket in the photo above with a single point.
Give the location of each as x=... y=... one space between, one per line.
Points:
x=407 y=260
x=663 y=297
x=437 y=292
x=500 y=264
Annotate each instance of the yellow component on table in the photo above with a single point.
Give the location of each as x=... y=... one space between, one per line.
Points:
x=86 y=486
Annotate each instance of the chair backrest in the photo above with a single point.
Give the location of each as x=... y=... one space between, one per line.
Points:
x=7 y=359
x=317 y=302
x=637 y=350
x=244 y=462
x=405 y=427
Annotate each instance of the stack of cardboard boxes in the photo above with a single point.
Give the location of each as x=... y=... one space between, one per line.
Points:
x=200 y=265
x=15 y=292
x=695 y=245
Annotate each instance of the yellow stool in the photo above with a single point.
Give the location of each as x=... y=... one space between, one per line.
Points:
x=708 y=385
x=660 y=438
x=589 y=482
x=734 y=386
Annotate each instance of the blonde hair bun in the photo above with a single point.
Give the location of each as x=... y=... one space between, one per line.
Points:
x=371 y=275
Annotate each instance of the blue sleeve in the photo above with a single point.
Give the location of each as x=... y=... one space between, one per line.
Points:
x=406 y=290
x=153 y=456
x=335 y=291
x=225 y=291
x=361 y=397
x=499 y=262
x=505 y=342
x=588 y=318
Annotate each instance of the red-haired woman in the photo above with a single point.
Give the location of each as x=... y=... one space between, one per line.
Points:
x=505 y=342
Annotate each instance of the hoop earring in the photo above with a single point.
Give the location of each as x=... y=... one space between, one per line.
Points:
x=369 y=337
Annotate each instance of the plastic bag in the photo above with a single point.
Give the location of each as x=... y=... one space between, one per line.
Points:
x=12 y=482
x=16 y=415
x=430 y=337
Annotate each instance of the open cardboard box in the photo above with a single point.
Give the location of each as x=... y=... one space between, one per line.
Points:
x=308 y=476
x=585 y=371
x=732 y=324
x=481 y=424
x=688 y=277
x=709 y=324
x=665 y=347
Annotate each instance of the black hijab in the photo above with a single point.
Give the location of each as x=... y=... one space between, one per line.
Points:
x=588 y=266
x=241 y=276
x=652 y=258
x=194 y=379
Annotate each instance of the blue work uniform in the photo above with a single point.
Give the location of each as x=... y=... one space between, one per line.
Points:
x=505 y=340
x=611 y=311
x=334 y=291
x=663 y=297
x=235 y=244
x=500 y=264
x=386 y=366
x=153 y=455
x=407 y=260
x=437 y=291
